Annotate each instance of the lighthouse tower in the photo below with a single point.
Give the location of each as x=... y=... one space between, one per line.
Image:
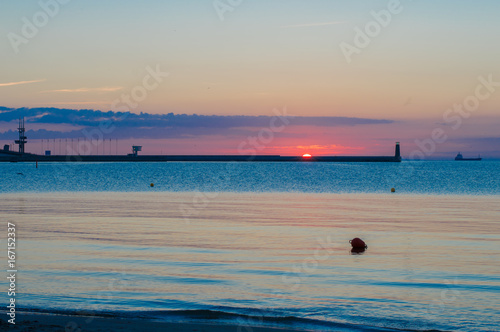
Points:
x=398 y=151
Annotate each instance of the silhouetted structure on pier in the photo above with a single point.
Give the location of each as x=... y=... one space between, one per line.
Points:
x=22 y=138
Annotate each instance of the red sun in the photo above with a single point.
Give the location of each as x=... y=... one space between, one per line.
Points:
x=306 y=155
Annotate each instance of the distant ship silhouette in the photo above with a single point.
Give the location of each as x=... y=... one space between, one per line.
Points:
x=459 y=157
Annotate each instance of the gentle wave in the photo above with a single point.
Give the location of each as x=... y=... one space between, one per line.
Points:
x=231 y=317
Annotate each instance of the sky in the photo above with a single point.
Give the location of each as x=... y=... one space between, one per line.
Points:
x=419 y=72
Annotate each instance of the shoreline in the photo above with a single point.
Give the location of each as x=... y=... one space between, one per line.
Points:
x=41 y=322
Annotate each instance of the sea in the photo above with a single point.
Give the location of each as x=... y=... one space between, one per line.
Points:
x=263 y=244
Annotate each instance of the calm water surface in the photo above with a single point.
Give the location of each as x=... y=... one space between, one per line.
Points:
x=440 y=177
x=88 y=243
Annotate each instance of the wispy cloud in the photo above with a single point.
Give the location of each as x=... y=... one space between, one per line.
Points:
x=103 y=89
x=313 y=24
x=78 y=103
x=20 y=82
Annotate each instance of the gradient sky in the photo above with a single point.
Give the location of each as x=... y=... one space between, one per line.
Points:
x=265 y=54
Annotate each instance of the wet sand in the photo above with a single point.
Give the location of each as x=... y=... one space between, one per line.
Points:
x=51 y=323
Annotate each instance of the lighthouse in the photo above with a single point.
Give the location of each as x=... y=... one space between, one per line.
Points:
x=398 y=151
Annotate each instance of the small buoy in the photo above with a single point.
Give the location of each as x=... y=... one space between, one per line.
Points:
x=357 y=243
x=152 y=185
x=393 y=190
x=357 y=251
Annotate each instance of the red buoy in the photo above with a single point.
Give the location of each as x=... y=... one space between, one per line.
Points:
x=357 y=243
